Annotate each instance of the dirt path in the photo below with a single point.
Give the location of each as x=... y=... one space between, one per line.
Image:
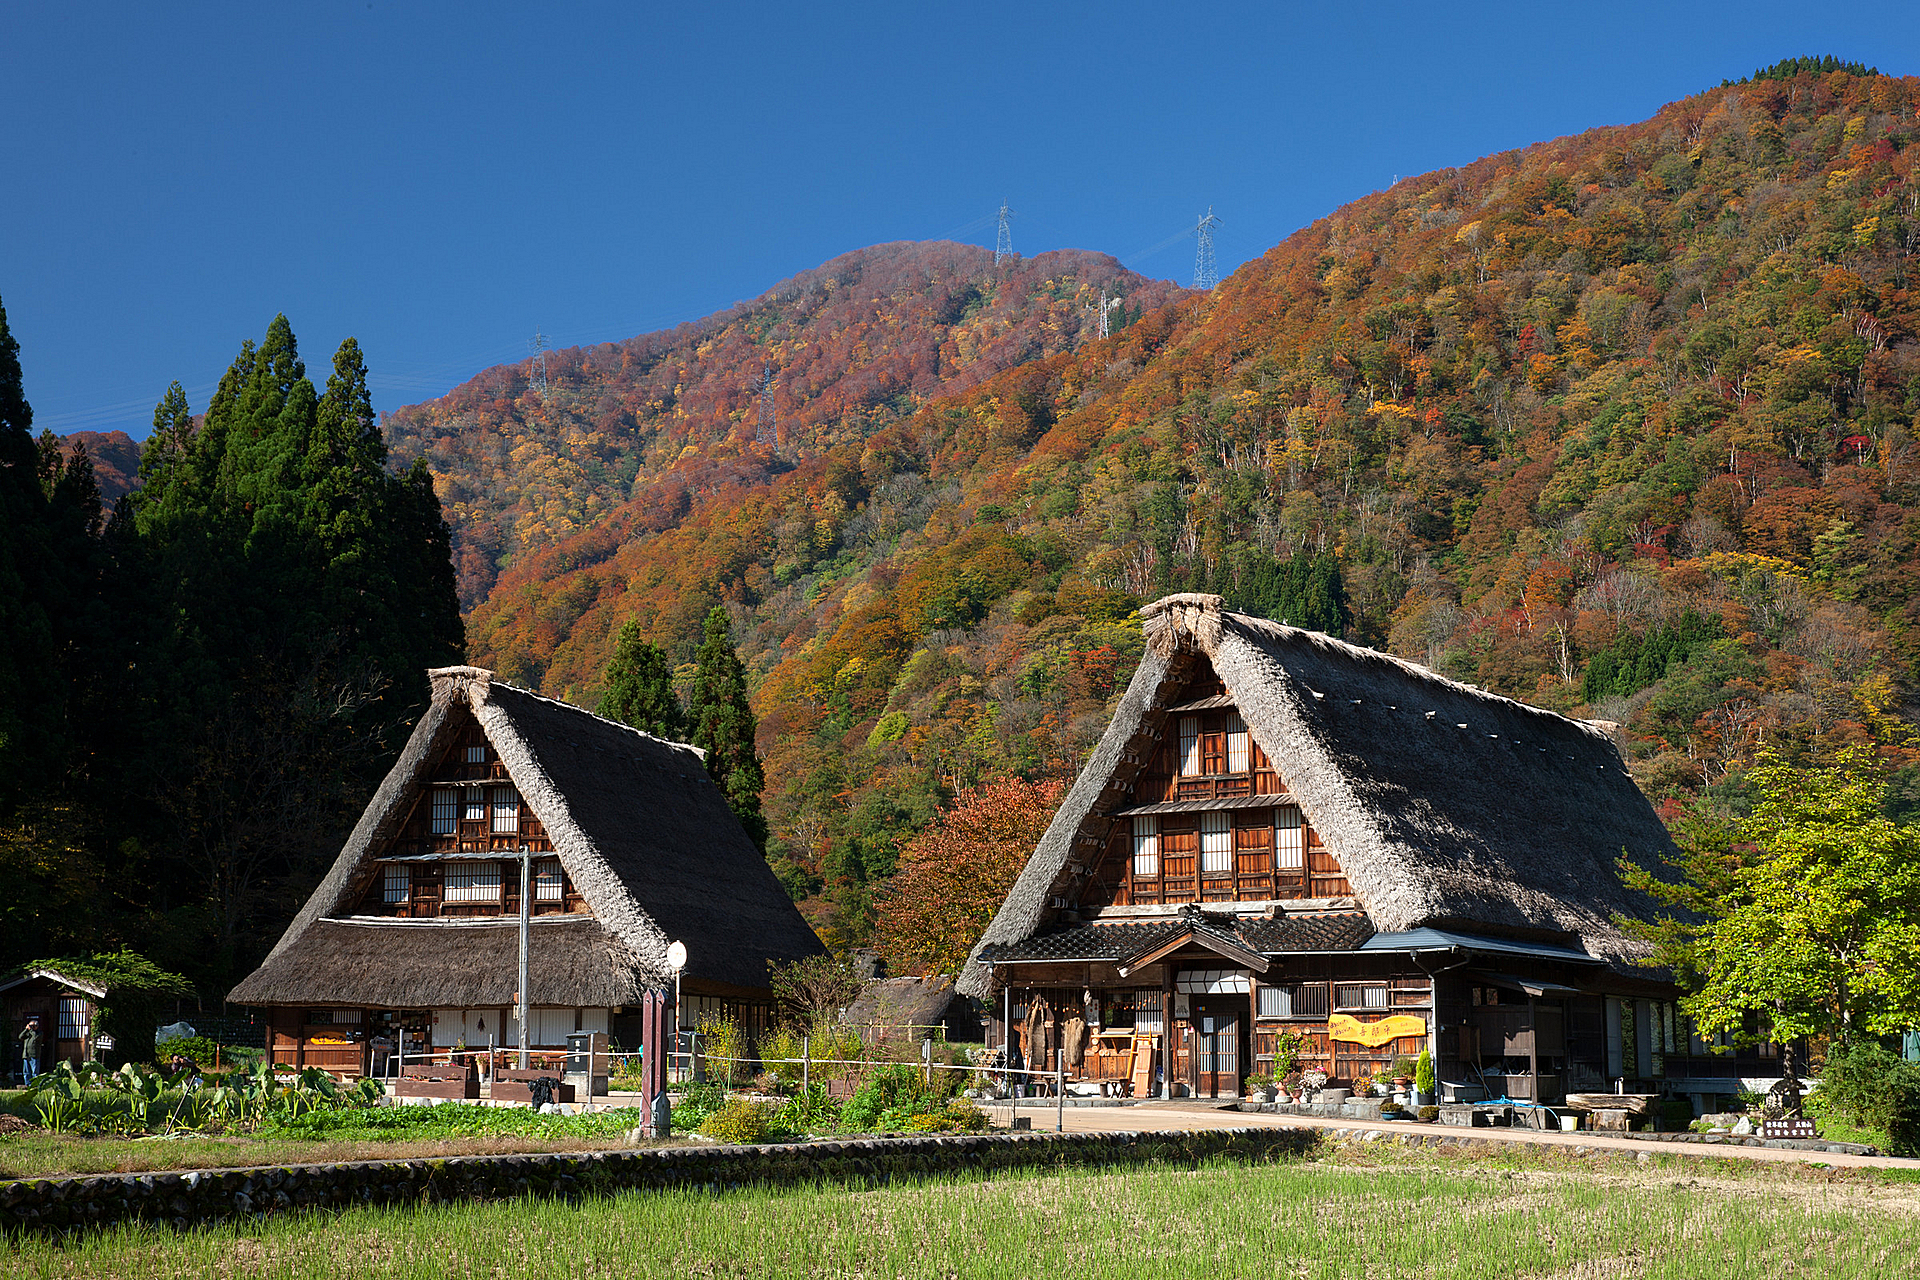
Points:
x=1208 y=1115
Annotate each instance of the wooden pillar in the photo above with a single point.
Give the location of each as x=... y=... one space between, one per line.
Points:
x=1533 y=1048
x=1166 y=1030
x=655 y=1044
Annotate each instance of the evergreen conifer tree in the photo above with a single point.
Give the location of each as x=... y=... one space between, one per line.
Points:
x=724 y=726
x=640 y=687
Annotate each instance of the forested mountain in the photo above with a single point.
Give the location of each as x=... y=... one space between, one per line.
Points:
x=1622 y=424
x=116 y=460
x=849 y=347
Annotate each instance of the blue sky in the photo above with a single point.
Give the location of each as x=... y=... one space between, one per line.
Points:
x=439 y=181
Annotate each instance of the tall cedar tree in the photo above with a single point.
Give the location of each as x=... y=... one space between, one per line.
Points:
x=955 y=875
x=30 y=693
x=724 y=726
x=299 y=590
x=640 y=687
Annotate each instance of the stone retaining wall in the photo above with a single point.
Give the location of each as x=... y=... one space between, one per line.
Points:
x=194 y=1198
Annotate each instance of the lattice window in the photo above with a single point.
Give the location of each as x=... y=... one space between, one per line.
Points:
x=446 y=811
x=1310 y=1000
x=506 y=811
x=1289 y=840
x=73 y=1019
x=548 y=884
x=1216 y=844
x=1146 y=846
x=1237 y=752
x=1360 y=996
x=1190 y=746
x=475 y=808
x=473 y=882
x=1149 y=1013
x=477 y=755
x=1276 y=1002
x=396 y=882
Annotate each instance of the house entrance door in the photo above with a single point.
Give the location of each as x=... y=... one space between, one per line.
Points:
x=1218 y=1043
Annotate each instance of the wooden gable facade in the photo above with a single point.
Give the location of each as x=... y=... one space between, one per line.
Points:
x=1285 y=846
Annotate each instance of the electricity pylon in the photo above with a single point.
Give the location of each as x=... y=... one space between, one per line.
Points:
x=769 y=432
x=538 y=345
x=1205 y=276
x=1003 y=247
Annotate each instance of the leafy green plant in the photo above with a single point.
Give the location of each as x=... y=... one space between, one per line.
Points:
x=896 y=1088
x=811 y=1111
x=1423 y=1072
x=738 y=1121
x=956 y=1115
x=1286 y=1053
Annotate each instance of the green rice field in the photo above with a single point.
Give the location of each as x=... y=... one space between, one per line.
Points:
x=1390 y=1216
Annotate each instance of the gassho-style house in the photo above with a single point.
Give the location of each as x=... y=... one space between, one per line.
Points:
x=414 y=932
x=1284 y=834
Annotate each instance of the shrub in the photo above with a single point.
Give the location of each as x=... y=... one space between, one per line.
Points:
x=1423 y=1072
x=895 y=1090
x=1429 y=1114
x=738 y=1121
x=1875 y=1089
x=696 y=1103
x=958 y=1115
x=810 y=1112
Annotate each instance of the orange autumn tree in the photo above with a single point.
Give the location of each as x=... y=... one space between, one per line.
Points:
x=953 y=876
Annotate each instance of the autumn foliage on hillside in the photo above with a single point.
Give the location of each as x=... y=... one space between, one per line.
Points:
x=1622 y=424
x=670 y=417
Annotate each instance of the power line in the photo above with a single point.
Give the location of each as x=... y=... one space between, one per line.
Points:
x=1205 y=275
x=1003 y=247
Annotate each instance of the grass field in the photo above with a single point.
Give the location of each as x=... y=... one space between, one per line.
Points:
x=1375 y=1214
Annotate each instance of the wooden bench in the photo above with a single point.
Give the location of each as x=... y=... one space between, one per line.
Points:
x=437 y=1080
x=510 y=1084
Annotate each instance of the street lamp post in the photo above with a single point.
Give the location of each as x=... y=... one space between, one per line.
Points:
x=526 y=916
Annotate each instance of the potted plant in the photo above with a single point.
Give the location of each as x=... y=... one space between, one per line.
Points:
x=1259 y=1087
x=1290 y=1087
x=1312 y=1082
x=1423 y=1079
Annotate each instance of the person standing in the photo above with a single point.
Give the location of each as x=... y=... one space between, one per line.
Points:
x=30 y=1048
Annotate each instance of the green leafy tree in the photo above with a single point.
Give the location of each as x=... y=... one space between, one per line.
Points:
x=1804 y=918
x=640 y=687
x=724 y=726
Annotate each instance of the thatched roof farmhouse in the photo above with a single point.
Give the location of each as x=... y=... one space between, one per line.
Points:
x=415 y=928
x=1284 y=833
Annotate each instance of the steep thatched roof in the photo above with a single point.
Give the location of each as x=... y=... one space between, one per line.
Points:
x=1446 y=805
x=572 y=961
x=637 y=823
x=902 y=1002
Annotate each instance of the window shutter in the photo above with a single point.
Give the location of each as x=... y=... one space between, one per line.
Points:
x=1146 y=846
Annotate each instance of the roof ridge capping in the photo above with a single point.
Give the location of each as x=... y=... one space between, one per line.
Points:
x=1198 y=620
x=474 y=685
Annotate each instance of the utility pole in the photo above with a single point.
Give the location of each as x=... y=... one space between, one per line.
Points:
x=769 y=432
x=1205 y=276
x=538 y=345
x=1003 y=247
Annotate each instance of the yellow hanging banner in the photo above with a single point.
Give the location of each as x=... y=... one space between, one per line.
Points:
x=1343 y=1026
